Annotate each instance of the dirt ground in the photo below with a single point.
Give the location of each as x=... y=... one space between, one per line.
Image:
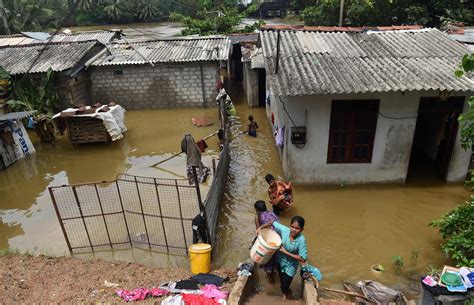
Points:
x=40 y=279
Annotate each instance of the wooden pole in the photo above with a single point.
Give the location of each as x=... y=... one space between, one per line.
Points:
x=175 y=155
x=348 y=293
x=341 y=13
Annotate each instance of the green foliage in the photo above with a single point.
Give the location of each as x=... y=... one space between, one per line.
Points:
x=466 y=120
x=326 y=13
x=252 y=27
x=433 y=271
x=252 y=9
x=36 y=95
x=398 y=263
x=414 y=255
x=208 y=23
x=457 y=230
x=373 y=12
x=360 y=12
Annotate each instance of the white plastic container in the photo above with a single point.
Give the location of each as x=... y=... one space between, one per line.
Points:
x=266 y=244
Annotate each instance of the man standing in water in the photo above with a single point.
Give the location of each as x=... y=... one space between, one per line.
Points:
x=280 y=193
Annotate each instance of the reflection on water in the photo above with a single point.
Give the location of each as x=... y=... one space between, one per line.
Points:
x=348 y=228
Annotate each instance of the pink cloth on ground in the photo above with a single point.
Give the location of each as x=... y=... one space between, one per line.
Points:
x=212 y=291
x=140 y=293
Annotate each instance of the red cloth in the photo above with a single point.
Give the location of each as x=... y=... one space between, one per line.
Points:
x=196 y=299
x=202 y=145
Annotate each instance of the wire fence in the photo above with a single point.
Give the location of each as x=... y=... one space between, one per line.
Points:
x=140 y=212
x=214 y=196
x=132 y=211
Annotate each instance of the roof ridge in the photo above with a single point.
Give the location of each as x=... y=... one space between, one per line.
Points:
x=45 y=43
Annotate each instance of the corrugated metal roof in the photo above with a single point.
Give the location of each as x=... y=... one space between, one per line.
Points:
x=21 y=39
x=16 y=115
x=39 y=58
x=186 y=49
x=344 y=63
x=287 y=27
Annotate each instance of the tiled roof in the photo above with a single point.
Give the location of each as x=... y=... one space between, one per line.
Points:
x=345 y=63
x=41 y=57
x=185 y=49
x=23 y=39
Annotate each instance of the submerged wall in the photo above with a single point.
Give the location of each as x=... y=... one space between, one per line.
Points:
x=392 y=143
x=161 y=86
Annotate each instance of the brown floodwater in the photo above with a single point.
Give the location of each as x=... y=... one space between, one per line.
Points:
x=348 y=228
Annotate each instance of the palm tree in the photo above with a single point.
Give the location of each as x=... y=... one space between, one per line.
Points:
x=114 y=9
x=147 y=9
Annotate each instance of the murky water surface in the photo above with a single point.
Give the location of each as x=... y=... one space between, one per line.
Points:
x=348 y=228
x=157 y=30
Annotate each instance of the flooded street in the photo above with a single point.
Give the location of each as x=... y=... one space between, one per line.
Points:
x=157 y=30
x=348 y=228
x=27 y=217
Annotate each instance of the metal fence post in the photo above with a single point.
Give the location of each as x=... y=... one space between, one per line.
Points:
x=202 y=208
x=51 y=193
x=82 y=216
x=143 y=213
x=123 y=211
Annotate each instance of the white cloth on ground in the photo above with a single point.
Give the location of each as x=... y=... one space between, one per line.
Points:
x=173 y=300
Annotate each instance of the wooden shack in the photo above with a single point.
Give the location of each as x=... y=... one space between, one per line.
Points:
x=92 y=125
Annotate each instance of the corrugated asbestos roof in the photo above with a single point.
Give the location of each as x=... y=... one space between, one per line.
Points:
x=23 y=39
x=215 y=48
x=39 y=58
x=344 y=63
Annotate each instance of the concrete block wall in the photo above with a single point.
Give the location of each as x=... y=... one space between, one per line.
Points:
x=161 y=86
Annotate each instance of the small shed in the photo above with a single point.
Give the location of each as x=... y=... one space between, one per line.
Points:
x=14 y=140
x=100 y=123
x=167 y=73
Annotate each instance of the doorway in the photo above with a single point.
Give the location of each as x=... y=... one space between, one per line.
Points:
x=435 y=134
x=237 y=65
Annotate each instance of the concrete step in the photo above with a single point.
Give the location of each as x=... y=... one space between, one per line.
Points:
x=262 y=298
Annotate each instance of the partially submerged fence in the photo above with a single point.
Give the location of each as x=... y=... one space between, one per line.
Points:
x=214 y=196
x=147 y=213
x=142 y=212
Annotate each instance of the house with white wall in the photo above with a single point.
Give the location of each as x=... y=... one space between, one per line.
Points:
x=366 y=107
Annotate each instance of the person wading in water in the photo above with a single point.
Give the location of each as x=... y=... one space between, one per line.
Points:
x=280 y=193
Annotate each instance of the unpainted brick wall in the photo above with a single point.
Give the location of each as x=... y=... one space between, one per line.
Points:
x=161 y=86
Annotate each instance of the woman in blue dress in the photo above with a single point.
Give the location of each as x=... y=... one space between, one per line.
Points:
x=292 y=252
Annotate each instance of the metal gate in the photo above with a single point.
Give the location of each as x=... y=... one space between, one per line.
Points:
x=132 y=211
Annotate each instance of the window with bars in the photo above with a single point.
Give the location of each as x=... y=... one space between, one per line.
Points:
x=352 y=131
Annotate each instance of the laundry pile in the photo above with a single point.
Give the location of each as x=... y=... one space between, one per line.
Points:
x=201 y=289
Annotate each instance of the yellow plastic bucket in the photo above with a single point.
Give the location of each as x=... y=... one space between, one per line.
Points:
x=200 y=258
